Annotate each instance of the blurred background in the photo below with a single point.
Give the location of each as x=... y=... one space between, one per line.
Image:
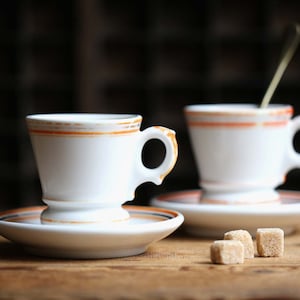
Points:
x=150 y=57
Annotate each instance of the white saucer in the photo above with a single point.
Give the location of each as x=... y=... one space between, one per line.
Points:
x=211 y=220
x=145 y=226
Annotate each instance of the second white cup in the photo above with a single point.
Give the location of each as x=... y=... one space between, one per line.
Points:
x=242 y=152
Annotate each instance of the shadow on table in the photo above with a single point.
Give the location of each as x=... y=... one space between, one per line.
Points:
x=13 y=251
x=9 y=250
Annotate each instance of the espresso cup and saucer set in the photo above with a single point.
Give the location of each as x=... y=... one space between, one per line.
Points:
x=243 y=153
x=90 y=165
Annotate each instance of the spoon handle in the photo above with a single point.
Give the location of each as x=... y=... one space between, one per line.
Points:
x=281 y=67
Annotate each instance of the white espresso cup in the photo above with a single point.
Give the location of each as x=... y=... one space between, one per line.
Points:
x=242 y=152
x=90 y=164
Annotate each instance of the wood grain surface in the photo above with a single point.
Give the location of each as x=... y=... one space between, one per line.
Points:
x=178 y=267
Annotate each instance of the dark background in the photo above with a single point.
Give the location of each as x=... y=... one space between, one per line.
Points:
x=149 y=57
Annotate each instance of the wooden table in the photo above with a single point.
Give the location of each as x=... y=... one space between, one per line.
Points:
x=178 y=267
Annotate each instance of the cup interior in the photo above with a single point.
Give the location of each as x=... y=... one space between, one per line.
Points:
x=239 y=108
x=83 y=117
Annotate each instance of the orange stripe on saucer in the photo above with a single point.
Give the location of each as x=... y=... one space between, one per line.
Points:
x=22 y=210
x=179 y=195
x=249 y=202
x=134 y=208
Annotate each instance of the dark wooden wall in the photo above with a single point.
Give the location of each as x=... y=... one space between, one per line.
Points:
x=148 y=57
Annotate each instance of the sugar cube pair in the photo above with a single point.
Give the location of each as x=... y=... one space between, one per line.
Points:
x=238 y=245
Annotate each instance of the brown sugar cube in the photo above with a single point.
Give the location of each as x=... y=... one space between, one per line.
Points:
x=270 y=242
x=227 y=252
x=245 y=238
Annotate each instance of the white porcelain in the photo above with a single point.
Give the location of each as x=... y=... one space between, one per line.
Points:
x=144 y=227
x=242 y=152
x=90 y=164
x=210 y=220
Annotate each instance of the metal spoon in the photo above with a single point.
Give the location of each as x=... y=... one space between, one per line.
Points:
x=286 y=58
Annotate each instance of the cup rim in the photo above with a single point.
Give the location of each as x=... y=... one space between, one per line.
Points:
x=237 y=109
x=85 y=118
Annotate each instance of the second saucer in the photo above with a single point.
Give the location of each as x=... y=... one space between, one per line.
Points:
x=211 y=220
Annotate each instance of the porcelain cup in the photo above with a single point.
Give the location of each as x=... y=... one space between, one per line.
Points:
x=242 y=152
x=90 y=164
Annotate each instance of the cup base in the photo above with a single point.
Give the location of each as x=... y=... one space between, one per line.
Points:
x=83 y=217
x=241 y=198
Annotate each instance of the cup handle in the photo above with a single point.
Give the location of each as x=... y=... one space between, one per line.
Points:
x=293 y=156
x=156 y=175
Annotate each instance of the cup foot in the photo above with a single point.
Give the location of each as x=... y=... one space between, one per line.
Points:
x=55 y=216
x=241 y=198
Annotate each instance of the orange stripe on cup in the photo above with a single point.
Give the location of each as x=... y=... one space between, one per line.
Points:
x=236 y=124
x=138 y=120
x=81 y=133
x=275 y=124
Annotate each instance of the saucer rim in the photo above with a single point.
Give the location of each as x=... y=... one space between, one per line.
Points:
x=171 y=216
x=212 y=221
x=247 y=209
x=84 y=242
